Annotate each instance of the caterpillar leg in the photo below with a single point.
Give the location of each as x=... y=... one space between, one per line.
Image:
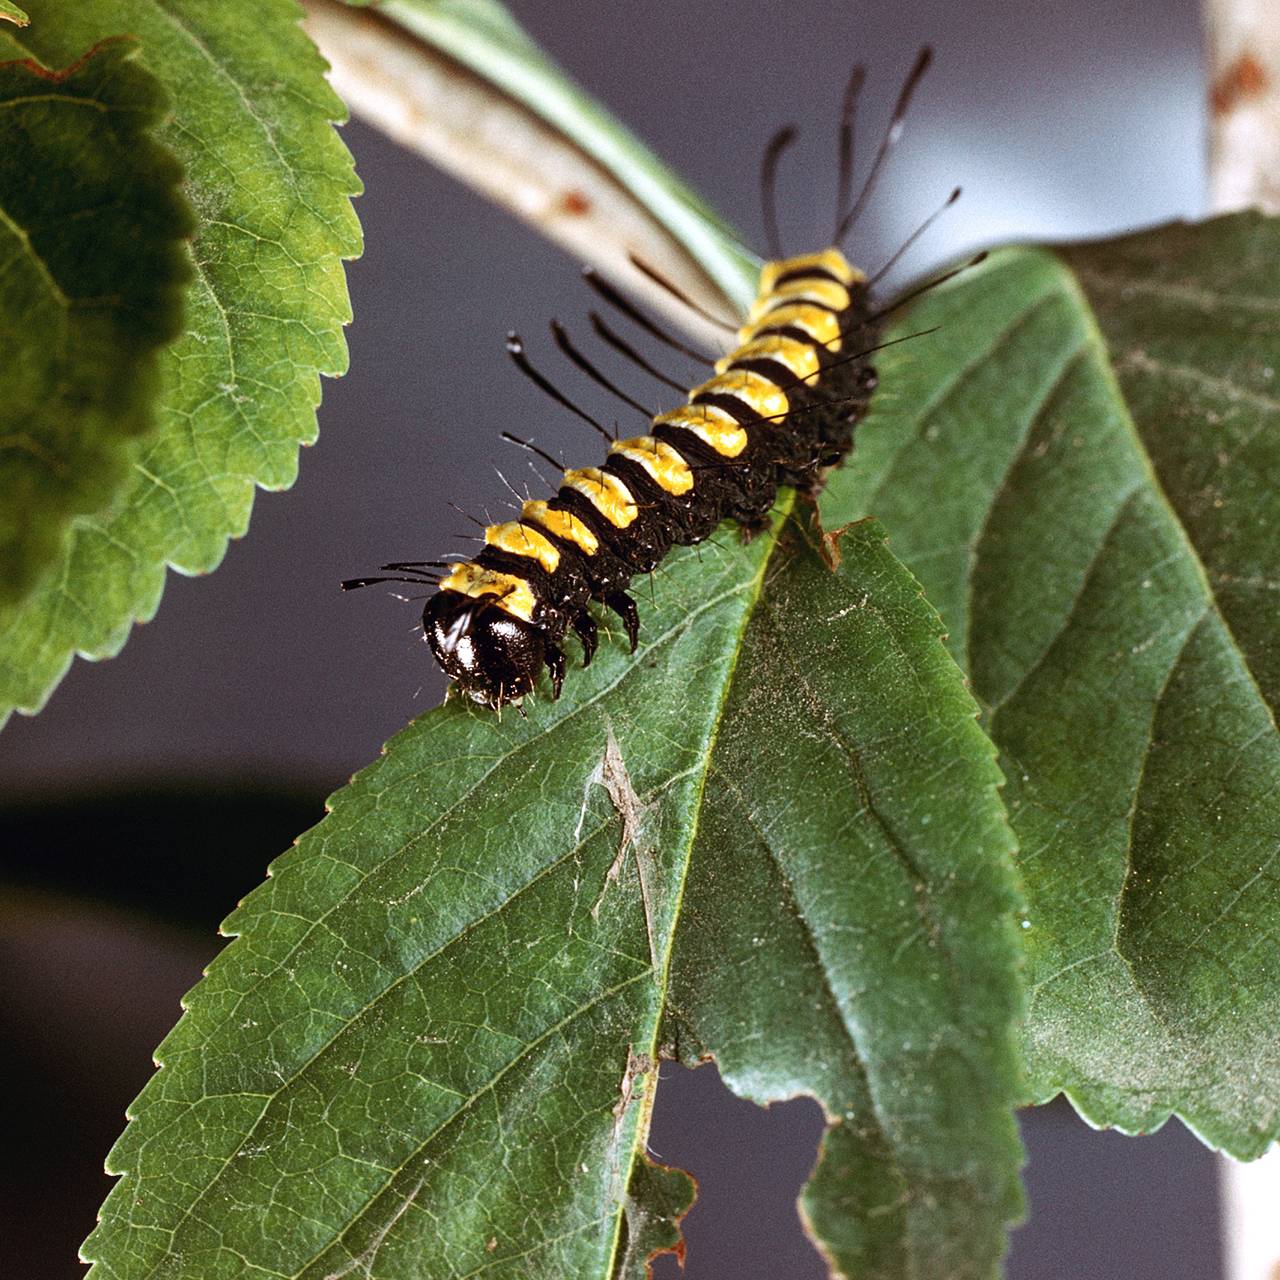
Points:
x=555 y=666
x=625 y=607
x=809 y=481
x=752 y=512
x=585 y=627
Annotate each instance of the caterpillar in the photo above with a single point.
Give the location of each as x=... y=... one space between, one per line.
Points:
x=779 y=409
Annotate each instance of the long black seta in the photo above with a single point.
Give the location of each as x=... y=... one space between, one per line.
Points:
x=780 y=408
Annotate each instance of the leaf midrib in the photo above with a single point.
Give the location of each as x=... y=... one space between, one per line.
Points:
x=752 y=592
x=1150 y=481
x=531 y=742
x=70 y=99
x=225 y=74
x=781 y=514
x=751 y=588
x=1152 y=476
x=23 y=237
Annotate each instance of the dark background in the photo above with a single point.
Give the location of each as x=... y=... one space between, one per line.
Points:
x=152 y=792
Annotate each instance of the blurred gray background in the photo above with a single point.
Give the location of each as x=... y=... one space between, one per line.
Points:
x=1060 y=121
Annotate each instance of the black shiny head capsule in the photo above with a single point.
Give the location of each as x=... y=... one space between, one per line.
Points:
x=493 y=656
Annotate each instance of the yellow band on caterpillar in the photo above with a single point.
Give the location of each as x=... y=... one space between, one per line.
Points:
x=800 y=358
x=825 y=293
x=821 y=325
x=513 y=595
x=666 y=467
x=829 y=260
x=711 y=424
x=561 y=524
x=606 y=493
x=522 y=540
x=753 y=389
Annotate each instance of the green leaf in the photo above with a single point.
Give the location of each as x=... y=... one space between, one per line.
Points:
x=658 y=1197
x=772 y=835
x=877 y=973
x=11 y=13
x=1095 y=514
x=271 y=184
x=92 y=273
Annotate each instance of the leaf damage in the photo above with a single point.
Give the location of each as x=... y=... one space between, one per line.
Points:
x=658 y=1199
x=611 y=774
x=512 y=1063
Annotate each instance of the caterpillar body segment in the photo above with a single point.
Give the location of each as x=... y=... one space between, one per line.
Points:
x=780 y=407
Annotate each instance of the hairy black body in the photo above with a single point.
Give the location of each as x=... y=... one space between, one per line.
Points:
x=782 y=407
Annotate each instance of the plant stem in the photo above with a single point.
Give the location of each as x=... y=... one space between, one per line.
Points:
x=468 y=126
x=1250 y=1226
x=1243 y=43
x=1243 y=40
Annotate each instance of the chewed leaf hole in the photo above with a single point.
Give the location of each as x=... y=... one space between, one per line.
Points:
x=750 y=1163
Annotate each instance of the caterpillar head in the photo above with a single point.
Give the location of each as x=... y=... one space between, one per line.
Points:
x=493 y=656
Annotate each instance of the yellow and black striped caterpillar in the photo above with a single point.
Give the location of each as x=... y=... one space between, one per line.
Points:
x=780 y=407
